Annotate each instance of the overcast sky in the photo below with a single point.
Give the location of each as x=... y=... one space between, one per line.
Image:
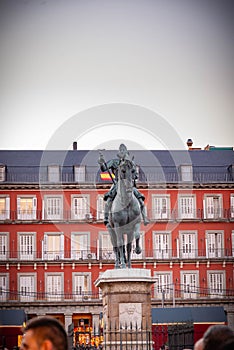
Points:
x=150 y=73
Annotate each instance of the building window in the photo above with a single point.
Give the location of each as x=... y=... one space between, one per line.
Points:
x=26 y=208
x=216 y=284
x=80 y=172
x=161 y=241
x=187 y=207
x=187 y=245
x=80 y=208
x=3 y=246
x=100 y=207
x=53 y=208
x=186 y=172
x=53 y=246
x=4 y=208
x=54 y=286
x=106 y=247
x=2 y=173
x=163 y=286
x=212 y=207
x=160 y=207
x=27 y=287
x=81 y=286
x=80 y=245
x=232 y=206
x=53 y=173
x=189 y=284
x=214 y=244
x=4 y=288
x=26 y=246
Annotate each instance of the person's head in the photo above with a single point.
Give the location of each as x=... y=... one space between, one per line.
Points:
x=122 y=151
x=44 y=333
x=199 y=345
x=217 y=336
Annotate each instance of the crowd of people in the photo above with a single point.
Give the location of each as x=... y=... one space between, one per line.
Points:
x=47 y=333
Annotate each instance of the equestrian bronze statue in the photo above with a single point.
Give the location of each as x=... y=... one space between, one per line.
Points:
x=124 y=207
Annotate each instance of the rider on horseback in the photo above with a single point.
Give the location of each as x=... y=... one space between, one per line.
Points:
x=112 y=166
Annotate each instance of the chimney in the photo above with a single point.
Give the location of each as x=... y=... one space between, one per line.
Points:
x=74 y=146
x=189 y=143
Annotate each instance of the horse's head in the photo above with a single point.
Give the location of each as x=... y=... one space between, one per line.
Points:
x=127 y=173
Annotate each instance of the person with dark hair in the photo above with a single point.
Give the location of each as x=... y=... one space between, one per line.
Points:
x=218 y=337
x=44 y=333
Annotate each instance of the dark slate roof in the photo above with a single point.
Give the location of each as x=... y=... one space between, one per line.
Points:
x=188 y=314
x=141 y=157
x=15 y=317
x=155 y=165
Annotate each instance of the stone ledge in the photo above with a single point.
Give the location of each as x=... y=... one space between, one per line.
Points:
x=125 y=275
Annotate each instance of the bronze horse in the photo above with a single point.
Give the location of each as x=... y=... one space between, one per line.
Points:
x=125 y=216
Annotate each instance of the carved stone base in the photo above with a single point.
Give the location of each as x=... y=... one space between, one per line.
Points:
x=126 y=295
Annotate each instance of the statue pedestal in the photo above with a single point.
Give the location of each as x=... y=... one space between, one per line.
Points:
x=126 y=297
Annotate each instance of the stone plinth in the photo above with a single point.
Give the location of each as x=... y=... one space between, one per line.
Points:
x=126 y=295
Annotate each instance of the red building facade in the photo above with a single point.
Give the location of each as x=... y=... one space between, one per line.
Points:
x=54 y=245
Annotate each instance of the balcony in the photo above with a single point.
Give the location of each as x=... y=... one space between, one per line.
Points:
x=147 y=175
x=154 y=216
x=172 y=292
x=107 y=255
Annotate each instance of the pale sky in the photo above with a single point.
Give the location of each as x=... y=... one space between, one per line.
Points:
x=151 y=73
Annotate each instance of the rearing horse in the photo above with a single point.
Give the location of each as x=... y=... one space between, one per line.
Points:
x=125 y=216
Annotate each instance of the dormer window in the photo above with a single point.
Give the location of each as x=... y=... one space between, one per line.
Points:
x=2 y=173
x=79 y=173
x=186 y=173
x=53 y=173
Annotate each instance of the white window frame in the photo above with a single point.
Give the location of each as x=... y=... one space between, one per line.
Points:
x=55 y=254
x=53 y=173
x=2 y=173
x=216 y=281
x=212 y=211
x=81 y=285
x=4 y=245
x=27 y=286
x=54 y=292
x=80 y=207
x=4 y=286
x=106 y=247
x=100 y=207
x=162 y=244
x=160 y=207
x=214 y=243
x=5 y=211
x=188 y=244
x=232 y=243
x=190 y=284
x=27 y=245
x=80 y=173
x=52 y=211
x=187 y=206
x=186 y=172
x=26 y=213
x=163 y=286
x=232 y=206
x=80 y=246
